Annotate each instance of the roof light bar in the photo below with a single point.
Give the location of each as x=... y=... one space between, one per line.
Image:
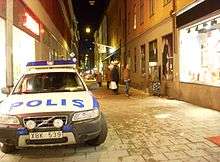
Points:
x=48 y=63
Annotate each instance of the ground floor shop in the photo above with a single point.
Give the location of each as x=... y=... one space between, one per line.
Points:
x=199 y=58
x=25 y=37
x=151 y=56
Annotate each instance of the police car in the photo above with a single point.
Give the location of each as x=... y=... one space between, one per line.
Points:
x=50 y=106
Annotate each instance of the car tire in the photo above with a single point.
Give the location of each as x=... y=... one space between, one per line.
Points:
x=6 y=148
x=102 y=135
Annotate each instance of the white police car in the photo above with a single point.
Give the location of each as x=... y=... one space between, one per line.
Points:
x=49 y=106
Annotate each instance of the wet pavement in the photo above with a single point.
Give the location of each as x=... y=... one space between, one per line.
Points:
x=141 y=128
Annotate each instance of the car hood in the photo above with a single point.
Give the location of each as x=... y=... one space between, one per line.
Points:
x=47 y=102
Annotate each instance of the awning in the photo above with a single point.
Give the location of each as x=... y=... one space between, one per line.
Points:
x=117 y=52
x=200 y=10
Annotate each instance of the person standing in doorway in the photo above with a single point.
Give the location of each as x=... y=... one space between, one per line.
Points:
x=115 y=77
x=127 y=79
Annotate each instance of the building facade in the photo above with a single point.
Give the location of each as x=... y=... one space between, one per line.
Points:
x=101 y=46
x=172 y=42
x=34 y=30
x=116 y=32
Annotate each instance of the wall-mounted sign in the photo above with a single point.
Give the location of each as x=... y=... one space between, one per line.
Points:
x=31 y=24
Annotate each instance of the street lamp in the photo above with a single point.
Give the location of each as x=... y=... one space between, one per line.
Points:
x=88 y=30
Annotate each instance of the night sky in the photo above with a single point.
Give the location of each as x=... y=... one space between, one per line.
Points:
x=88 y=15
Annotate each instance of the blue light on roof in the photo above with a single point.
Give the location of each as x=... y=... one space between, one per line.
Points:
x=55 y=62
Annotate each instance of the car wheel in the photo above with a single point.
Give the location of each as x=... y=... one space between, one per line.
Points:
x=6 y=148
x=102 y=135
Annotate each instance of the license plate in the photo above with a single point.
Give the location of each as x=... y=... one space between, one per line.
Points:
x=46 y=135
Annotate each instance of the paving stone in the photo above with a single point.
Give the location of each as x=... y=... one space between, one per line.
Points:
x=197 y=152
x=196 y=159
x=75 y=157
x=10 y=158
x=85 y=149
x=112 y=159
x=119 y=153
x=155 y=157
x=97 y=155
x=200 y=145
x=212 y=158
x=180 y=141
x=133 y=159
x=176 y=155
x=178 y=148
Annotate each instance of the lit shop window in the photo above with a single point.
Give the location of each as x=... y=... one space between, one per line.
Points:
x=200 y=53
x=3 y=58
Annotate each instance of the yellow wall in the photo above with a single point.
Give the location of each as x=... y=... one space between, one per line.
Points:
x=180 y=4
x=161 y=12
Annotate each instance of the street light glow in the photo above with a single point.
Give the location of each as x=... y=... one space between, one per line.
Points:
x=88 y=30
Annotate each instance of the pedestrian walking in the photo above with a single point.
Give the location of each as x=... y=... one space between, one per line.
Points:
x=98 y=77
x=127 y=79
x=115 y=77
x=108 y=76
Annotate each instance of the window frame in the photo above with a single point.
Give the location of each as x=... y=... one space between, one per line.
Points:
x=142 y=15
x=151 y=7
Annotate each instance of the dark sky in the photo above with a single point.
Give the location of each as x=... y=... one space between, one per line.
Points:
x=88 y=15
x=91 y=16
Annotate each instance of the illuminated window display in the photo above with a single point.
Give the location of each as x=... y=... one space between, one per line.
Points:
x=2 y=57
x=23 y=51
x=200 y=53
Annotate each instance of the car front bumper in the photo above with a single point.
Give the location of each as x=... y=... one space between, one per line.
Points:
x=77 y=132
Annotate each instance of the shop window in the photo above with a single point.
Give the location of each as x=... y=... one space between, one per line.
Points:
x=3 y=57
x=200 y=53
x=23 y=51
x=152 y=7
x=167 y=57
x=143 y=59
x=153 y=51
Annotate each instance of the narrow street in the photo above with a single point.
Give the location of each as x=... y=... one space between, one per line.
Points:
x=141 y=128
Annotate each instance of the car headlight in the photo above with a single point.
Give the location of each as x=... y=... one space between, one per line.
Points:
x=85 y=115
x=8 y=119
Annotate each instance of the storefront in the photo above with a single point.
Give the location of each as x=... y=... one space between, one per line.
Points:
x=23 y=52
x=26 y=31
x=199 y=54
x=2 y=57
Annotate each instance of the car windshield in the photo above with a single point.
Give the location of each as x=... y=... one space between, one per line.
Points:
x=49 y=82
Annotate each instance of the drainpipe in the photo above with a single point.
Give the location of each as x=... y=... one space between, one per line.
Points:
x=173 y=14
x=175 y=43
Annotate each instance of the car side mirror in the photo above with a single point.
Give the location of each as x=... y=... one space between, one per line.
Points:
x=5 y=90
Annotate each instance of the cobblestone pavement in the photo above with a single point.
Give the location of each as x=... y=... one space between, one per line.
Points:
x=141 y=128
